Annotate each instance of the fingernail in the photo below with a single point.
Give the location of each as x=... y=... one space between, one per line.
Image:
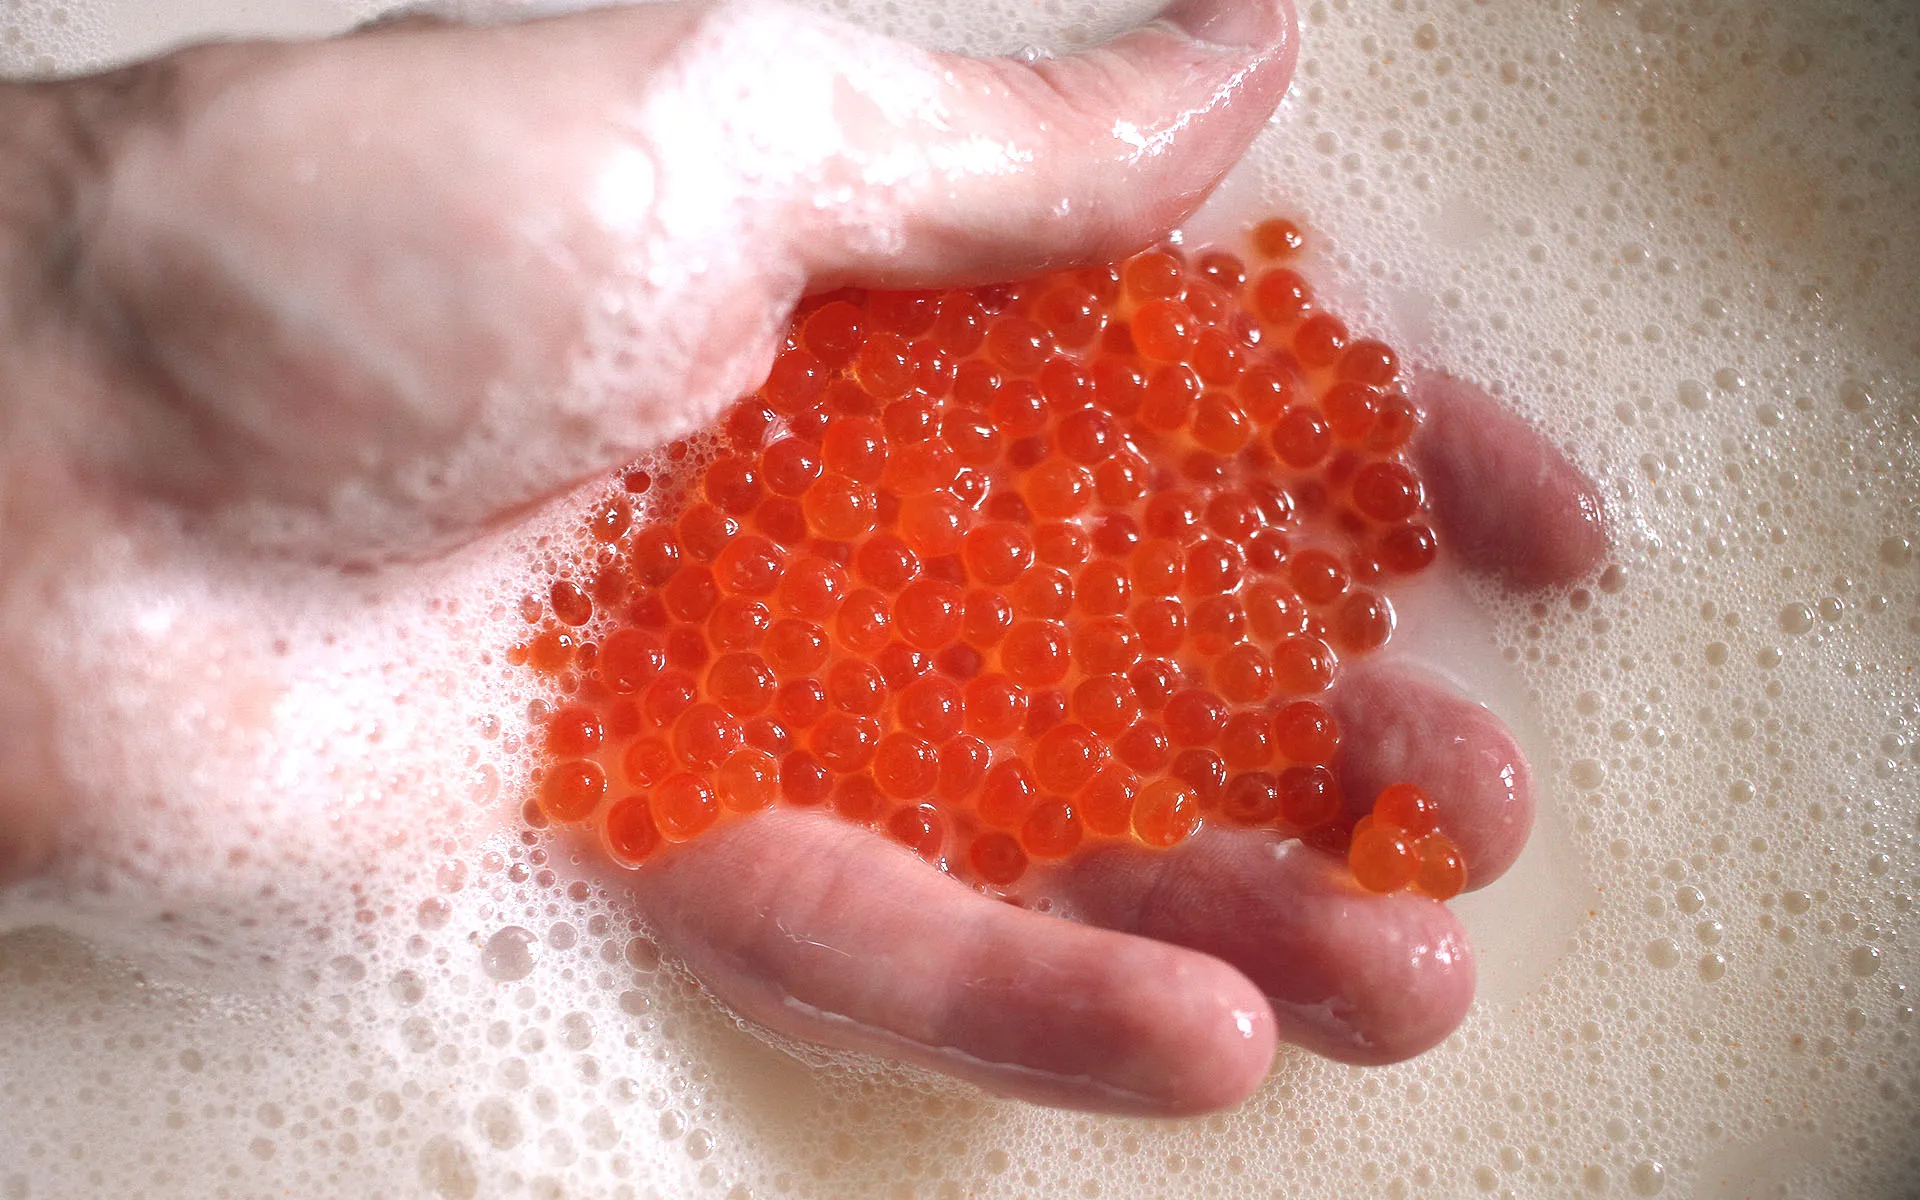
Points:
x=1242 y=23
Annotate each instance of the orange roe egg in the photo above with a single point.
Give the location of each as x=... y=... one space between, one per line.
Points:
x=1109 y=645
x=1319 y=576
x=1363 y=622
x=1051 y=831
x=1309 y=796
x=845 y=742
x=1244 y=674
x=1007 y=794
x=684 y=806
x=1103 y=589
x=1386 y=491
x=1035 y=653
x=573 y=732
x=1165 y=813
x=737 y=623
x=834 y=332
x=963 y=768
x=906 y=767
x=1301 y=438
x=933 y=524
x=571 y=606
x=1394 y=426
x=1220 y=426
x=704 y=735
x=1105 y=704
x=1071 y=314
x=793 y=647
x=1066 y=757
x=749 y=780
x=1319 y=340
x=647 y=761
x=864 y=623
x=1163 y=330
x=920 y=829
x=1056 y=488
x=1351 y=410
x=704 y=532
x=1144 y=747
x=997 y=858
x=858 y=798
x=1408 y=549
x=1305 y=732
x=571 y=790
x=1382 y=858
x=628 y=831
x=996 y=707
x=1405 y=806
x=804 y=779
x=1194 y=717
x=1106 y=803
x=840 y=508
x=1246 y=741
x=1443 y=872
x=998 y=552
x=1252 y=799
x=750 y=565
x=1281 y=297
x=1303 y=664
x=1277 y=237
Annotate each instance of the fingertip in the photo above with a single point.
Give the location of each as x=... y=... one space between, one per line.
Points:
x=1508 y=501
x=1352 y=975
x=1213 y=1041
x=1408 y=977
x=1404 y=728
x=1077 y=1017
x=1149 y=1029
x=828 y=933
x=1264 y=26
x=1088 y=156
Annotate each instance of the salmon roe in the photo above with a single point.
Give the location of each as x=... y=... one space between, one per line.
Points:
x=1006 y=572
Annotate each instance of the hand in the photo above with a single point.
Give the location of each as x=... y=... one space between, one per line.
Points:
x=1183 y=967
x=366 y=299
x=363 y=300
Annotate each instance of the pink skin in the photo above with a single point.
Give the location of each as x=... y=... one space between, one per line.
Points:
x=186 y=244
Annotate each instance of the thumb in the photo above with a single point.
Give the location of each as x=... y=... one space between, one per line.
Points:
x=411 y=280
x=1002 y=166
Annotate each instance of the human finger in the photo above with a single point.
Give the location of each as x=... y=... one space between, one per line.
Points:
x=430 y=273
x=825 y=932
x=1012 y=166
x=1507 y=501
x=1356 y=976
x=1398 y=726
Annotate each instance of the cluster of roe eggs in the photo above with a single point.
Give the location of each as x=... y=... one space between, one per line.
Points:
x=1003 y=571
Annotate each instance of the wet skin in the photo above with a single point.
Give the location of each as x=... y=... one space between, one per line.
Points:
x=323 y=289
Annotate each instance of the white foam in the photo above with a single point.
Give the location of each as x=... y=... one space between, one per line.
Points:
x=1680 y=237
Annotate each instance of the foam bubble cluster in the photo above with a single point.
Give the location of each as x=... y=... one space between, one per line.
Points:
x=1680 y=237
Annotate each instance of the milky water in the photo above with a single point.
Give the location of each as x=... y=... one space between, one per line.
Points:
x=1681 y=237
